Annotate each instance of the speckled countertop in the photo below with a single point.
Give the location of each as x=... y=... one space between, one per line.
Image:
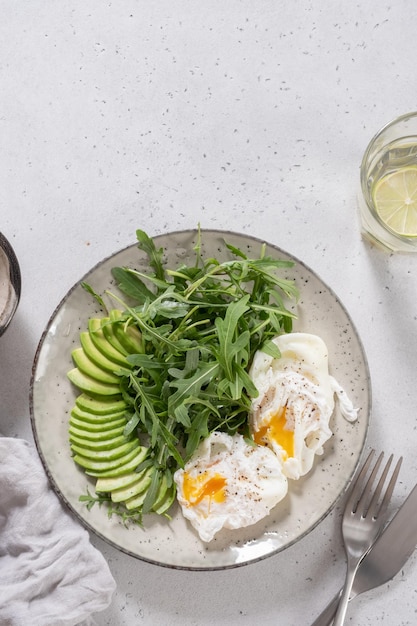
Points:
x=238 y=115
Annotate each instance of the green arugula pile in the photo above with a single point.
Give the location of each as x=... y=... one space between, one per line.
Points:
x=200 y=325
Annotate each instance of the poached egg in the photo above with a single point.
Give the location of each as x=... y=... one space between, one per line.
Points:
x=229 y=483
x=292 y=412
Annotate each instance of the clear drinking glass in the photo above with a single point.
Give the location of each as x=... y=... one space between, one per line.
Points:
x=388 y=198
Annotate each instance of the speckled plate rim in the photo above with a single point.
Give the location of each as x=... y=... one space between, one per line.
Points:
x=261 y=541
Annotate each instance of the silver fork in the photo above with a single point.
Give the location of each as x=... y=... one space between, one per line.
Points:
x=364 y=518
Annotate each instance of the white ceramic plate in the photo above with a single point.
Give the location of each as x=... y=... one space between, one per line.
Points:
x=174 y=543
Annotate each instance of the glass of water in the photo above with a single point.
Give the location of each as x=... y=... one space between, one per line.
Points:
x=388 y=198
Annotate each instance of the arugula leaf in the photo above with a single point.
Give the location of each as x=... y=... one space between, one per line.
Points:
x=191 y=385
x=130 y=284
x=226 y=329
x=154 y=255
x=131 y=424
x=92 y=500
x=152 y=492
x=95 y=295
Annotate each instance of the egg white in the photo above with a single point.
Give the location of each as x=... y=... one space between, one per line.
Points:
x=295 y=403
x=229 y=483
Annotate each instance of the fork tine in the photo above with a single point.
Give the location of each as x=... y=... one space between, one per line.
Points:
x=373 y=507
x=356 y=488
x=362 y=504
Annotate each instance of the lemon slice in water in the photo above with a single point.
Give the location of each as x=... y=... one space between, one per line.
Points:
x=395 y=200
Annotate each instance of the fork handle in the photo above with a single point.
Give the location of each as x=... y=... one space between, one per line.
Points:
x=326 y=616
x=344 y=598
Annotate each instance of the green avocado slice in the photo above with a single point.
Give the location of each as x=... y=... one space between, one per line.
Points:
x=96 y=426
x=139 y=486
x=135 y=502
x=163 y=487
x=105 y=485
x=108 y=329
x=98 y=445
x=102 y=343
x=106 y=455
x=98 y=435
x=88 y=367
x=128 y=335
x=92 y=418
x=166 y=502
x=91 y=385
x=97 y=356
x=102 y=406
x=115 y=468
x=111 y=483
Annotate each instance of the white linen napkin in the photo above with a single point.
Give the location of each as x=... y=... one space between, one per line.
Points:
x=50 y=573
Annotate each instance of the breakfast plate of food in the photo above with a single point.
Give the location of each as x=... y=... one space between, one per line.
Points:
x=200 y=399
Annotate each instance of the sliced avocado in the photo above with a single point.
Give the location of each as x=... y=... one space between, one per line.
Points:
x=92 y=418
x=87 y=366
x=102 y=343
x=106 y=468
x=161 y=492
x=139 y=486
x=112 y=470
x=98 y=435
x=112 y=483
x=135 y=502
x=166 y=502
x=106 y=455
x=100 y=406
x=97 y=356
x=96 y=426
x=105 y=485
x=91 y=385
x=108 y=329
x=98 y=445
x=128 y=335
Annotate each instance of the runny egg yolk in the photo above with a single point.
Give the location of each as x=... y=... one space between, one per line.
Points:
x=276 y=430
x=204 y=485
